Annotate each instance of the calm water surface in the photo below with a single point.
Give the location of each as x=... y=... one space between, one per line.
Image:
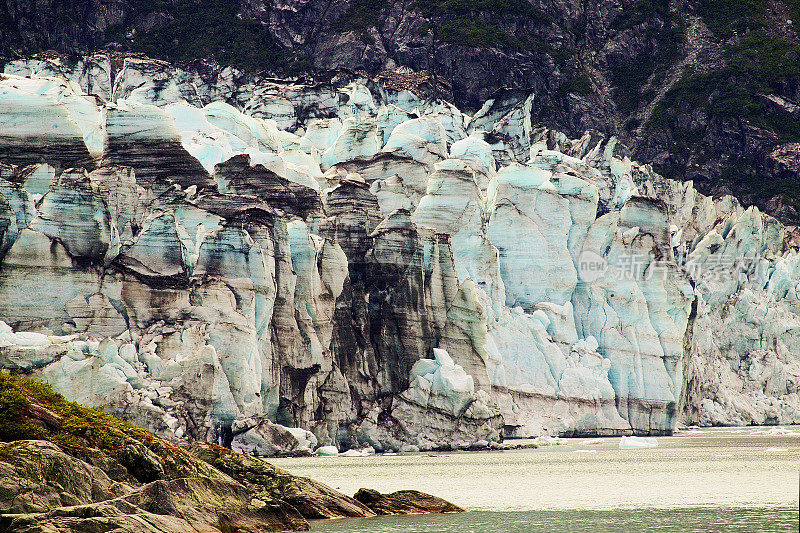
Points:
x=731 y=479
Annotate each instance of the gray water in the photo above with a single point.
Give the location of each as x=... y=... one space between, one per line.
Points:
x=731 y=479
x=661 y=520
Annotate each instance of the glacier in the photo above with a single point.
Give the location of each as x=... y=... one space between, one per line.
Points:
x=276 y=267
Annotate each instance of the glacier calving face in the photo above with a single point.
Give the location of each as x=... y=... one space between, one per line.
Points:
x=221 y=260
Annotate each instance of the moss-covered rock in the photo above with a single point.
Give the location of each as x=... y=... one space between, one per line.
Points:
x=177 y=505
x=30 y=410
x=69 y=468
x=311 y=498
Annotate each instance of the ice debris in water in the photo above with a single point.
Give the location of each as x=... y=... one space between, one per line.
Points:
x=547 y=440
x=366 y=452
x=634 y=442
x=780 y=431
x=327 y=451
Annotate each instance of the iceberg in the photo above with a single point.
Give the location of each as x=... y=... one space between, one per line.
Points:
x=635 y=443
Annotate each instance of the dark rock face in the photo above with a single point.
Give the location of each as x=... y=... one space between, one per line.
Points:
x=166 y=506
x=673 y=78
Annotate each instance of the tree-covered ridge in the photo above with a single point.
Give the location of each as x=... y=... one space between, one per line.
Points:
x=753 y=86
x=204 y=29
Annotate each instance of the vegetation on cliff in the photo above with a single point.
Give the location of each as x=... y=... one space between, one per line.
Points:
x=211 y=28
x=752 y=88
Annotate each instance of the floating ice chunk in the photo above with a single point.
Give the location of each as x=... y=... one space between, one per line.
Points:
x=352 y=453
x=633 y=442
x=366 y=452
x=547 y=440
x=327 y=451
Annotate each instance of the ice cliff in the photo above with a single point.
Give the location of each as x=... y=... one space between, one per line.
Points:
x=231 y=262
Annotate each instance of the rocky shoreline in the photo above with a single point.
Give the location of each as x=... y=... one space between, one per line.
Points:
x=65 y=468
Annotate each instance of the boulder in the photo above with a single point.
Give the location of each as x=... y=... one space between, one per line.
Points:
x=404 y=502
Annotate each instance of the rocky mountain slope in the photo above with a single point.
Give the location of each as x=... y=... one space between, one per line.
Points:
x=66 y=468
x=705 y=90
x=354 y=265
